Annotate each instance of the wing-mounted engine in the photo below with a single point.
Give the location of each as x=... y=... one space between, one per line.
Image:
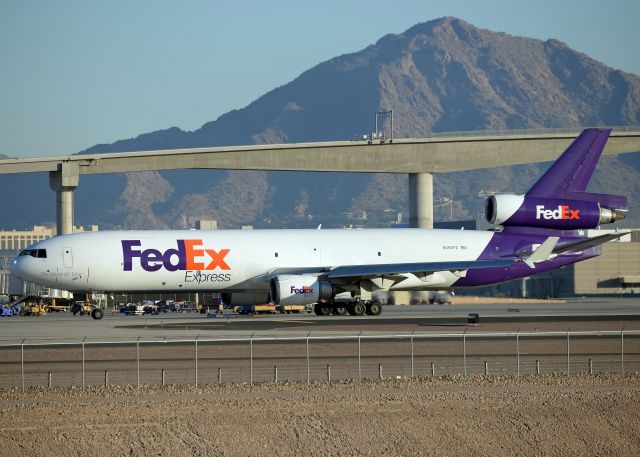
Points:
x=300 y=290
x=552 y=212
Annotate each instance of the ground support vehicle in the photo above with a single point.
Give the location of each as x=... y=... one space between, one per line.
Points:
x=163 y=306
x=35 y=309
x=83 y=308
x=181 y=307
x=291 y=309
x=150 y=309
x=7 y=310
x=132 y=309
x=265 y=308
x=58 y=308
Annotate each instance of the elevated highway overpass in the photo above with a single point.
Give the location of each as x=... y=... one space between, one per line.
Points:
x=418 y=157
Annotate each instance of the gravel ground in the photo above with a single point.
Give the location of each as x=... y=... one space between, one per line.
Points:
x=497 y=416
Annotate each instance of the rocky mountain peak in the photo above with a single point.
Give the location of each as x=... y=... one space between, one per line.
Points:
x=441 y=75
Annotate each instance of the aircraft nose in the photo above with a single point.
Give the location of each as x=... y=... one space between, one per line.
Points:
x=16 y=268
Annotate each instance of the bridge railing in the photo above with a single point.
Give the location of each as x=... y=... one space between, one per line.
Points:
x=519 y=132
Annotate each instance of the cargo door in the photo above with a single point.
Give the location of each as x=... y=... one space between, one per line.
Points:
x=67 y=257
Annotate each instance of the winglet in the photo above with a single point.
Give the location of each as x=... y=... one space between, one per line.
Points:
x=542 y=253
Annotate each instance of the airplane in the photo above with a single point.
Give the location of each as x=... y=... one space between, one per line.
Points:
x=536 y=232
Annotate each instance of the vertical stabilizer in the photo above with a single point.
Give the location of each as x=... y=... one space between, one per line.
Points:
x=573 y=170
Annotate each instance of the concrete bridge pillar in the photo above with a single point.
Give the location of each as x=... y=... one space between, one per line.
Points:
x=421 y=200
x=64 y=181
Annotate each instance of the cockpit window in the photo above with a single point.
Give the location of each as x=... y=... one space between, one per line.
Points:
x=38 y=253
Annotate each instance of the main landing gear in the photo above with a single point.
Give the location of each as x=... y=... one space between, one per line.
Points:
x=354 y=308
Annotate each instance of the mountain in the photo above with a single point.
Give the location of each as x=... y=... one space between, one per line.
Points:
x=442 y=75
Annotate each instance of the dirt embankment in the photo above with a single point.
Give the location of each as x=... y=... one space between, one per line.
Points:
x=551 y=415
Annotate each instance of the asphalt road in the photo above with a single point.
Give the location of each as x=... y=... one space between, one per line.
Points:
x=579 y=314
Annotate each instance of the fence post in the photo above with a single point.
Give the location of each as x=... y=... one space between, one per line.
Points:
x=49 y=380
x=138 y=361
x=622 y=349
x=464 y=351
x=433 y=370
x=537 y=367
x=22 y=362
x=412 y=355
x=590 y=366
x=251 y=359
x=568 y=354
x=380 y=371
x=219 y=375
x=359 y=364
x=328 y=373
x=196 y=359
x=308 y=363
x=486 y=368
x=518 y=352
x=83 y=362
x=275 y=375
x=106 y=378
x=163 y=377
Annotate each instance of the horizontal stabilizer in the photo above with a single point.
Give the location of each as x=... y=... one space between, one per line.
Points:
x=542 y=253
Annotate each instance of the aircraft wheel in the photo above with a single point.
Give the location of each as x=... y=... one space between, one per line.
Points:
x=357 y=308
x=374 y=308
x=322 y=309
x=340 y=310
x=97 y=313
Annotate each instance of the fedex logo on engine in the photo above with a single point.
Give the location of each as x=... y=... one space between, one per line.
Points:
x=304 y=290
x=563 y=212
x=189 y=255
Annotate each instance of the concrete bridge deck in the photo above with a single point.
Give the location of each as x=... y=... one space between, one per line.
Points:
x=419 y=157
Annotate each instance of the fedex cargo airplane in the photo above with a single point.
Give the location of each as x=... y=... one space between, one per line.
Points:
x=536 y=233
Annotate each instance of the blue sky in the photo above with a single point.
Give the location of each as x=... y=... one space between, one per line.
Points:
x=75 y=73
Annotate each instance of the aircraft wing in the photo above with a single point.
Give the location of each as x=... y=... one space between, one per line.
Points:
x=349 y=271
x=588 y=243
x=390 y=269
x=541 y=254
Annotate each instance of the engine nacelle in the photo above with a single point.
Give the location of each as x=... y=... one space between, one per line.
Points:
x=300 y=290
x=244 y=298
x=554 y=213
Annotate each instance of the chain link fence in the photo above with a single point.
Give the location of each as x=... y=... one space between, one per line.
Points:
x=310 y=358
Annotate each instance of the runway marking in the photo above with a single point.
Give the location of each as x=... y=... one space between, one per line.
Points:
x=294 y=322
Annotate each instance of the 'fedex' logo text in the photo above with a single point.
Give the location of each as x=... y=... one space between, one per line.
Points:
x=304 y=290
x=563 y=212
x=189 y=255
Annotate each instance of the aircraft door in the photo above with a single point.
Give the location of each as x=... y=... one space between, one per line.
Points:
x=67 y=257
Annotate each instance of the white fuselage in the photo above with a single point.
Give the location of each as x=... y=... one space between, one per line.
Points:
x=227 y=260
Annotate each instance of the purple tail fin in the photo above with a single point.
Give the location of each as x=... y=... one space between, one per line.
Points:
x=569 y=176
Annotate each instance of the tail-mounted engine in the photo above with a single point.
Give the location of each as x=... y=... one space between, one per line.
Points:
x=554 y=213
